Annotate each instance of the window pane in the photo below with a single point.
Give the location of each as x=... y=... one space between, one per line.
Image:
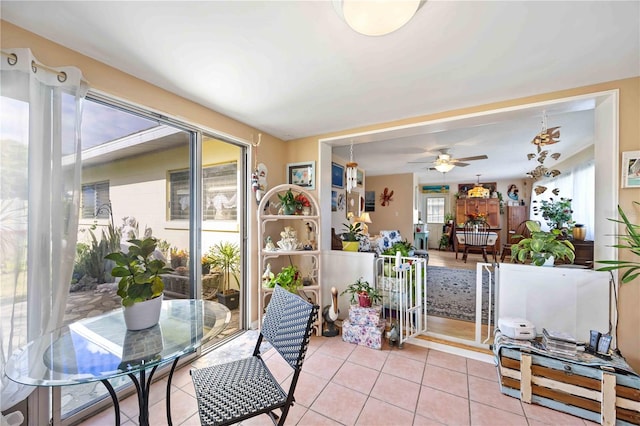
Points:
x=435 y=210
x=180 y=199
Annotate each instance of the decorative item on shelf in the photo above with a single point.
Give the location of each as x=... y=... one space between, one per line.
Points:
x=225 y=257
x=579 y=232
x=289 y=239
x=267 y=276
x=362 y=293
x=140 y=285
x=541 y=246
x=557 y=213
x=630 y=240
x=288 y=278
x=477 y=217
x=268 y=244
x=287 y=202
x=352 y=171
x=259 y=175
x=303 y=206
x=351 y=237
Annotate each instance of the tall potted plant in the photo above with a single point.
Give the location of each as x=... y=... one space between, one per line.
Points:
x=630 y=240
x=542 y=247
x=140 y=285
x=225 y=257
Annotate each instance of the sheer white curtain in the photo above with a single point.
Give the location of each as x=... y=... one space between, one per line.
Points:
x=577 y=184
x=39 y=200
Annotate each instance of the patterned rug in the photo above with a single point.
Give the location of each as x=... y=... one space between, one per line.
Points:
x=451 y=293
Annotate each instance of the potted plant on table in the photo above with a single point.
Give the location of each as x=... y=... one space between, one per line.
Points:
x=362 y=293
x=351 y=236
x=140 y=285
x=542 y=247
x=557 y=213
x=225 y=258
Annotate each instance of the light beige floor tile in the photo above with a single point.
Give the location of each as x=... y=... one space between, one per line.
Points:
x=446 y=380
x=339 y=403
x=311 y=418
x=443 y=407
x=356 y=377
x=404 y=367
x=488 y=392
x=413 y=351
x=484 y=415
x=322 y=365
x=368 y=357
x=336 y=347
x=380 y=413
x=396 y=391
x=446 y=360
x=549 y=416
x=482 y=369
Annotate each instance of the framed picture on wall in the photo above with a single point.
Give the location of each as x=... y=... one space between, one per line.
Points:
x=302 y=174
x=631 y=169
x=334 y=201
x=360 y=178
x=337 y=175
x=369 y=201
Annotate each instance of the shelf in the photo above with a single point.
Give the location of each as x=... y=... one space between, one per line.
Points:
x=302 y=288
x=271 y=217
x=268 y=253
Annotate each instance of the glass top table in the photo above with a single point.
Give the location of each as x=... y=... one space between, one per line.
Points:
x=101 y=348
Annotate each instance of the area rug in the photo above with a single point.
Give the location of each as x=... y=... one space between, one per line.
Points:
x=451 y=293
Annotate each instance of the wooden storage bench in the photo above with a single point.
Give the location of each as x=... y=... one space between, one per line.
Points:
x=607 y=394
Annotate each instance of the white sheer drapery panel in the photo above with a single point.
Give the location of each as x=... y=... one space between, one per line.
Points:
x=579 y=185
x=40 y=201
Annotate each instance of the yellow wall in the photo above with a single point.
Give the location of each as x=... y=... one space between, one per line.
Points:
x=398 y=214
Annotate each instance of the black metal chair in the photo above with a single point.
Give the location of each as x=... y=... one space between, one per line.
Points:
x=238 y=390
x=476 y=236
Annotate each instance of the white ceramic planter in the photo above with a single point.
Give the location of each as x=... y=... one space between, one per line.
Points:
x=143 y=315
x=549 y=261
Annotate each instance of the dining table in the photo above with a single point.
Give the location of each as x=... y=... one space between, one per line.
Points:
x=100 y=348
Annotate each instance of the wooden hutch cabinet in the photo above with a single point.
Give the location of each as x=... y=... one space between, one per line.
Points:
x=486 y=206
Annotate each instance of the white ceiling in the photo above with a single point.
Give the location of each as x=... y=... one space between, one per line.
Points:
x=294 y=68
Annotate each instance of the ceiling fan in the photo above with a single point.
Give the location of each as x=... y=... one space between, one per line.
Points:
x=444 y=163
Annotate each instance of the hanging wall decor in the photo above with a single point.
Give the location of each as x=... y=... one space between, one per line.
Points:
x=386 y=197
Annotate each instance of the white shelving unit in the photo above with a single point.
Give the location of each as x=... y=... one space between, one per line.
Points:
x=271 y=221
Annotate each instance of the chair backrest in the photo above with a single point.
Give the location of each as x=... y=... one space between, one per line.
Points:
x=476 y=233
x=287 y=325
x=520 y=232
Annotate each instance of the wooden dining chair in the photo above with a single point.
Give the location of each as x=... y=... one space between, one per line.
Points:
x=476 y=236
x=519 y=233
x=232 y=392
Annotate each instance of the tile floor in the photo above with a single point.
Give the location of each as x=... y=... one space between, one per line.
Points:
x=346 y=384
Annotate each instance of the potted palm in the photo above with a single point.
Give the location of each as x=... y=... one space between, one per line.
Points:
x=629 y=240
x=140 y=285
x=542 y=247
x=351 y=236
x=362 y=293
x=225 y=257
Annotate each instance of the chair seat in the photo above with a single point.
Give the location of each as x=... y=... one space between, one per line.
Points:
x=229 y=391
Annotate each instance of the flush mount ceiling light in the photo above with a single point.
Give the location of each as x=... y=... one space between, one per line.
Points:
x=376 y=17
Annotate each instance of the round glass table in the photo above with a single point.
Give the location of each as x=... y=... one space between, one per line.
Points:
x=101 y=348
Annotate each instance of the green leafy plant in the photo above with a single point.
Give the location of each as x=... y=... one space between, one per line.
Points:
x=362 y=288
x=288 y=202
x=404 y=247
x=288 y=278
x=630 y=240
x=225 y=256
x=541 y=246
x=139 y=272
x=557 y=213
x=353 y=231
x=91 y=258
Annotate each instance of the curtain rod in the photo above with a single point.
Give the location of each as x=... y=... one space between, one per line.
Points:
x=12 y=59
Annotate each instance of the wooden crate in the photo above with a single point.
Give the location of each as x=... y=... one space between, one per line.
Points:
x=595 y=393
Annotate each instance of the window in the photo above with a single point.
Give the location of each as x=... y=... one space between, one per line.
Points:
x=95 y=196
x=220 y=188
x=435 y=210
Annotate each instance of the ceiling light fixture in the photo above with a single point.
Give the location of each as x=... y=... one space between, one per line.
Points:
x=352 y=171
x=377 y=17
x=444 y=167
x=478 y=191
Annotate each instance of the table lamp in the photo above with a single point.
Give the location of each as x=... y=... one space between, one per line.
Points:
x=364 y=218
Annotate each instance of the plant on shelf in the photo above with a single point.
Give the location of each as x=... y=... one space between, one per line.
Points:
x=541 y=246
x=557 y=213
x=288 y=278
x=351 y=237
x=225 y=258
x=362 y=293
x=302 y=203
x=288 y=202
x=629 y=240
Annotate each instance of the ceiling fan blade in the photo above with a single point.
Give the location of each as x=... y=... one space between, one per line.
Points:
x=477 y=157
x=460 y=164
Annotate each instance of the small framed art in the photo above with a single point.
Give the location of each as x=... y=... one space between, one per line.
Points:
x=337 y=175
x=631 y=169
x=302 y=174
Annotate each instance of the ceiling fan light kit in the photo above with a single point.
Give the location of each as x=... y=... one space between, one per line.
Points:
x=376 y=18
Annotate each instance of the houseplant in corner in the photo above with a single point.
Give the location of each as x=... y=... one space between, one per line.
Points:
x=542 y=247
x=632 y=239
x=351 y=236
x=225 y=258
x=140 y=285
x=362 y=293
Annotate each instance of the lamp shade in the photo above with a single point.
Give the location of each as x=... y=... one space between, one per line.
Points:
x=364 y=218
x=444 y=167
